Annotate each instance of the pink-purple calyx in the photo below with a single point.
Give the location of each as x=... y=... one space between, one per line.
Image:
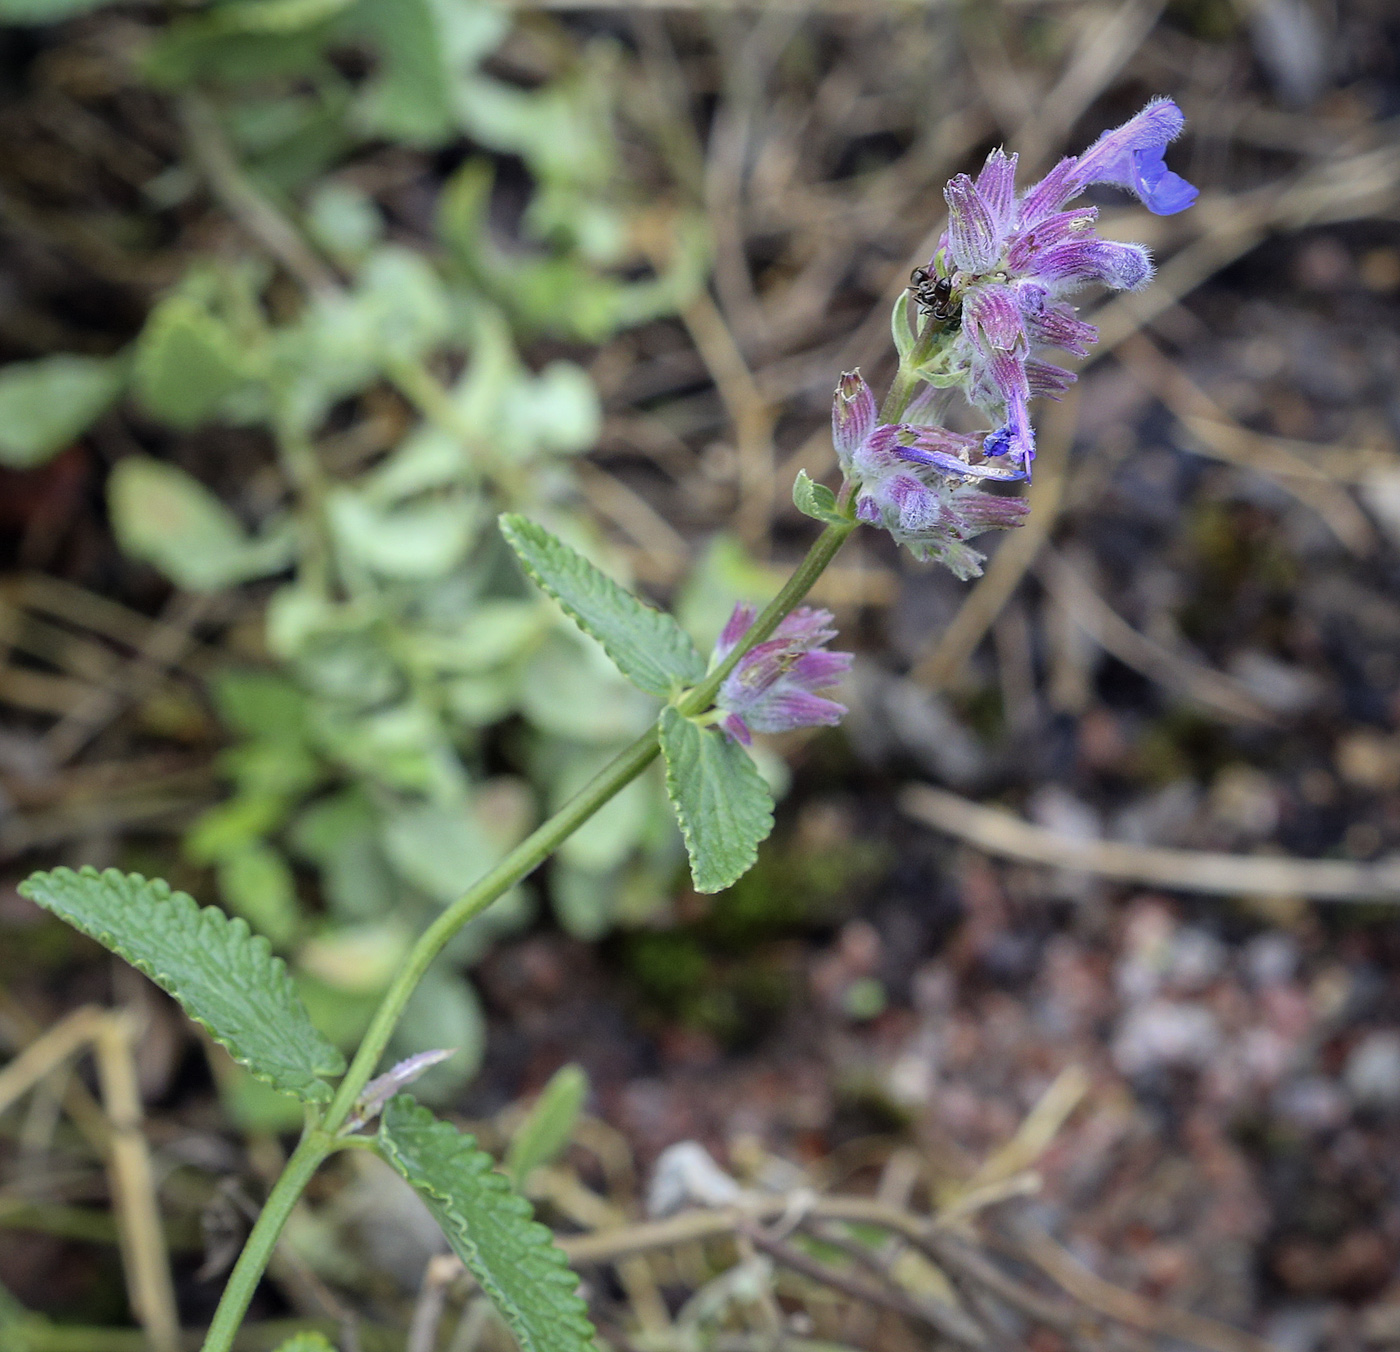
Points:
x=773 y=686
x=919 y=482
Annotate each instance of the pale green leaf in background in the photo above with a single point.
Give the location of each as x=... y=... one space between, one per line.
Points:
x=570 y=689
x=339 y=834
x=356 y=959
x=46 y=404
x=441 y=848
x=188 y=362
x=549 y=1124
x=256 y=883
x=606 y=839
x=166 y=518
x=344 y=220
x=444 y=1012
x=556 y=412
x=648 y=646
x=224 y=976
x=258 y=703
x=585 y=903
x=405 y=301
x=421 y=540
x=306 y=1342
x=493 y=633
x=723 y=805
x=489 y=1228
x=427 y=50
x=724 y=574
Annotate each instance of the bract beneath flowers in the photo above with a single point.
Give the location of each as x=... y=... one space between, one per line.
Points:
x=772 y=688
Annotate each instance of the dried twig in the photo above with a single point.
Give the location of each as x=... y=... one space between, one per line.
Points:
x=1208 y=687
x=752 y=416
x=438 y=1276
x=1215 y=874
x=1126 y=1306
x=941 y=1319
x=1215 y=433
x=245 y=203
x=170 y=639
x=144 y=1250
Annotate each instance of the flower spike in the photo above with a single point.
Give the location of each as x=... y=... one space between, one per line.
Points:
x=992 y=298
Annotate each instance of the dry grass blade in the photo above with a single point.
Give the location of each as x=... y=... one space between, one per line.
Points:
x=144 y=1251
x=47 y=1052
x=1129 y=1308
x=886 y=1297
x=169 y=641
x=438 y=1276
x=1351 y=189
x=1035 y=1134
x=1216 y=434
x=752 y=416
x=1104 y=47
x=1208 y=687
x=1214 y=874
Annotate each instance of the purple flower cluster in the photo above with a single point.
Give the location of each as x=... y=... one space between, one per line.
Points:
x=917 y=481
x=993 y=295
x=998 y=286
x=772 y=688
x=1010 y=263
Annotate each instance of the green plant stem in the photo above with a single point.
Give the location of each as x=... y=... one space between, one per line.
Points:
x=902 y=390
x=320 y=1139
x=313 y=1147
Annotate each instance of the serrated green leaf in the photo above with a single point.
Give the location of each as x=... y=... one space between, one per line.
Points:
x=649 y=647
x=45 y=404
x=815 y=500
x=549 y=1124
x=223 y=975
x=256 y=883
x=723 y=805
x=490 y=1229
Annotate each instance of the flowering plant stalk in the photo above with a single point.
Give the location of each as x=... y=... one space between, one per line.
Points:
x=975 y=320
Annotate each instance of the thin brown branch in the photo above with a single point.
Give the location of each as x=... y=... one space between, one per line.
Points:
x=1215 y=874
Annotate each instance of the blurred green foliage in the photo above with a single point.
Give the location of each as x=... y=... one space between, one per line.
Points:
x=363 y=769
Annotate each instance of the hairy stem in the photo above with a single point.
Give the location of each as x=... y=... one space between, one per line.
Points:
x=313 y=1147
x=320 y=1140
x=902 y=390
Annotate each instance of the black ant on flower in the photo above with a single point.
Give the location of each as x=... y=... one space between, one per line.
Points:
x=934 y=296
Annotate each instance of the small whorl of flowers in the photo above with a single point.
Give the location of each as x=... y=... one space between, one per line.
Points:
x=1002 y=272
x=773 y=686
